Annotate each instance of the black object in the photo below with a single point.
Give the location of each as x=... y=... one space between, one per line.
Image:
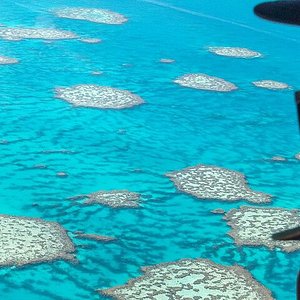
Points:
x=280 y=11
x=287 y=235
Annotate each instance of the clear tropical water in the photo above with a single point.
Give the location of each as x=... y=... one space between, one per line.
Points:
x=133 y=148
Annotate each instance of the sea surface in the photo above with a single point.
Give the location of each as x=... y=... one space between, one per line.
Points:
x=134 y=148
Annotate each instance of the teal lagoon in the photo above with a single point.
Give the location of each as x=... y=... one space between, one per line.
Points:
x=134 y=148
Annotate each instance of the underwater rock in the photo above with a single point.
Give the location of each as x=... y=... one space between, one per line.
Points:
x=121 y=131
x=88 y=95
x=18 y=33
x=115 y=199
x=271 y=84
x=62 y=174
x=210 y=182
x=95 y=15
x=77 y=197
x=91 y=40
x=95 y=237
x=278 y=158
x=254 y=226
x=167 y=60
x=234 y=52
x=30 y=240
x=205 y=82
x=96 y=73
x=126 y=65
x=218 y=211
x=63 y=151
x=40 y=166
x=7 y=60
x=189 y=279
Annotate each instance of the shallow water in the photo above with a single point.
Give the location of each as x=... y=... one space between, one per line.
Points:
x=133 y=148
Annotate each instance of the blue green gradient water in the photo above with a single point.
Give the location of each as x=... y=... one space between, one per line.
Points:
x=133 y=148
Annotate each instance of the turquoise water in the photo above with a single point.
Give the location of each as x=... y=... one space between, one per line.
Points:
x=133 y=148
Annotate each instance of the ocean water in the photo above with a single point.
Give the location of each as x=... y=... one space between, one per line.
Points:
x=133 y=148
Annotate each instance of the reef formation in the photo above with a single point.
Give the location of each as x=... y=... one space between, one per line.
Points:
x=234 y=52
x=205 y=82
x=90 y=40
x=271 y=85
x=278 y=158
x=7 y=60
x=167 y=60
x=95 y=15
x=191 y=279
x=30 y=240
x=94 y=237
x=254 y=226
x=210 y=182
x=115 y=199
x=18 y=33
x=88 y=95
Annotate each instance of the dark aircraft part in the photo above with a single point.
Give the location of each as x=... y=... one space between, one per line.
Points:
x=280 y=11
x=287 y=235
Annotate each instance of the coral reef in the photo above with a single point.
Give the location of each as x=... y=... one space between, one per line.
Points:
x=271 y=84
x=18 y=33
x=7 y=60
x=234 y=52
x=254 y=226
x=95 y=96
x=210 y=182
x=115 y=199
x=191 y=279
x=94 y=237
x=205 y=82
x=92 y=15
x=30 y=240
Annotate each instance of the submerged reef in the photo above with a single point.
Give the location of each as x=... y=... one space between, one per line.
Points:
x=254 y=226
x=96 y=96
x=96 y=73
x=115 y=199
x=95 y=15
x=30 y=240
x=234 y=52
x=271 y=84
x=7 y=60
x=167 y=60
x=62 y=174
x=90 y=40
x=278 y=158
x=191 y=279
x=18 y=33
x=205 y=82
x=210 y=182
x=94 y=237
x=220 y=211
